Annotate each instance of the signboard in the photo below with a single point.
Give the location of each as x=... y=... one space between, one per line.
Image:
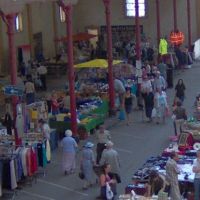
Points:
x=12 y=90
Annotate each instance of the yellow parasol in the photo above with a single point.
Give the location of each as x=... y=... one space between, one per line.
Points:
x=96 y=63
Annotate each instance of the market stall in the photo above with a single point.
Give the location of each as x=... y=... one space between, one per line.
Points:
x=21 y=163
x=90 y=116
x=141 y=176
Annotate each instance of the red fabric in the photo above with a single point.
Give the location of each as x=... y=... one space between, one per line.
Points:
x=28 y=162
x=34 y=167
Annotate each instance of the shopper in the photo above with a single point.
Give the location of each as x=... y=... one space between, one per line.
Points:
x=159 y=82
x=180 y=90
x=156 y=184
x=54 y=104
x=111 y=157
x=160 y=104
x=69 y=146
x=103 y=136
x=105 y=178
x=149 y=104
x=172 y=172
x=128 y=104
x=29 y=90
x=162 y=67
x=45 y=129
x=66 y=103
x=179 y=115
x=120 y=90
x=196 y=170
x=42 y=71
x=87 y=162
x=146 y=85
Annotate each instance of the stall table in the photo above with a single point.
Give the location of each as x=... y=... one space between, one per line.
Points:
x=96 y=118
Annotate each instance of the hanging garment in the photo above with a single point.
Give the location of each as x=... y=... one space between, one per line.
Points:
x=48 y=151
x=24 y=162
x=29 y=162
x=6 y=178
x=42 y=158
x=34 y=161
x=20 y=125
x=13 y=175
x=8 y=123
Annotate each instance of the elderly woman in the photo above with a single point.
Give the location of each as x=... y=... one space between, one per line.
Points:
x=69 y=146
x=87 y=163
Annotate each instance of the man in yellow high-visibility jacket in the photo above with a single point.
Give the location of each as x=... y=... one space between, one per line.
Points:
x=163 y=47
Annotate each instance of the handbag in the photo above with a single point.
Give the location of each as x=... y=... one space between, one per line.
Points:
x=109 y=193
x=122 y=114
x=81 y=175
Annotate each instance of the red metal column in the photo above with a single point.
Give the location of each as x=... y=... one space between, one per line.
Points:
x=175 y=15
x=70 y=68
x=10 y=19
x=137 y=31
x=158 y=20
x=107 y=4
x=189 y=24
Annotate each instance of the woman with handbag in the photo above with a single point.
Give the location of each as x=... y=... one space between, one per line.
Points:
x=108 y=185
x=69 y=147
x=87 y=163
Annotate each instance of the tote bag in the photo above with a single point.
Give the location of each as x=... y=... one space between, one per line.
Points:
x=122 y=115
x=154 y=113
x=109 y=193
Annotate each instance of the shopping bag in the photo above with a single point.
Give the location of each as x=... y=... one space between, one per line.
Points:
x=154 y=112
x=109 y=193
x=81 y=175
x=122 y=114
x=173 y=117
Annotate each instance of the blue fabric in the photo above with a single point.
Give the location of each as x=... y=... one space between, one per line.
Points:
x=122 y=115
x=69 y=145
x=87 y=163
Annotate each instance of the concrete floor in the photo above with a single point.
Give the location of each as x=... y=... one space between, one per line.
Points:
x=135 y=143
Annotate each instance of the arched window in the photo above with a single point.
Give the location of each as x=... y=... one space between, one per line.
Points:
x=62 y=15
x=130 y=8
x=18 y=23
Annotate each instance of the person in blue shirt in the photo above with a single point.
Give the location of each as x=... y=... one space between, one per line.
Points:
x=69 y=146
